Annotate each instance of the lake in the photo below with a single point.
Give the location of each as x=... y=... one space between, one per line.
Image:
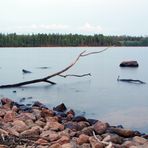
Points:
x=98 y=96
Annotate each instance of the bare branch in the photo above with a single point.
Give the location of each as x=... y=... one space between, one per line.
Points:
x=73 y=75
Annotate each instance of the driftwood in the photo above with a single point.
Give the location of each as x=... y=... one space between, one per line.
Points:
x=131 y=81
x=59 y=73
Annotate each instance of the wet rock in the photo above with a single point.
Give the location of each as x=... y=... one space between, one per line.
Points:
x=83 y=139
x=139 y=140
x=123 y=132
x=19 y=126
x=79 y=118
x=100 y=127
x=92 y=121
x=72 y=125
x=60 y=108
x=129 y=64
x=38 y=104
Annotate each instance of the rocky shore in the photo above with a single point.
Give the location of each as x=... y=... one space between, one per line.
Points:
x=40 y=127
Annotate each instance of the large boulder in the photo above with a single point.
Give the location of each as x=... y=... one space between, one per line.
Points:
x=129 y=64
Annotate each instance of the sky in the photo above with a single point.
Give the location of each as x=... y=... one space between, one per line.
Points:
x=88 y=17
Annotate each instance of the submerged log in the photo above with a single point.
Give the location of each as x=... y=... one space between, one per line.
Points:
x=131 y=80
x=129 y=64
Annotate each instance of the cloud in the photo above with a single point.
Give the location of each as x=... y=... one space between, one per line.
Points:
x=44 y=27
x=89 y=28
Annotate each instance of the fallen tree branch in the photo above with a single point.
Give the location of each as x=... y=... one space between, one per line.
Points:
x=73 y=75
x=131 y=81
x=45 y=79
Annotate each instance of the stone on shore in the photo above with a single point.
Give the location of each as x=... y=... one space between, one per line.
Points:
x=129 y=64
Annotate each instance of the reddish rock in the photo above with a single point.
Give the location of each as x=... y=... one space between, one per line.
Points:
x=83 y=139
x=56 y=145
x=71 y=111
x=63 y=140
x=54 y=126
x=140 y=140
x=34 y=131
x=46 y=113
x=41 y=142
x=100 y=127
x=50 y=135
x=3 y=132
x=6 y=101
x=67 y=145
x=2 y=112
x=19 y=126
x=94 y=143
x=9 y=116
x=3 y=146
x=40 y=123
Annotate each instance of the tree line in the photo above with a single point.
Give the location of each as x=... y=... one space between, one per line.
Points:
x=48 y=40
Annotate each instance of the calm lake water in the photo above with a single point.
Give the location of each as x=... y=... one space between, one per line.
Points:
x=99 y=96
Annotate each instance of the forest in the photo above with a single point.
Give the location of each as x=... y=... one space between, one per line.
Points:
x=50 y=40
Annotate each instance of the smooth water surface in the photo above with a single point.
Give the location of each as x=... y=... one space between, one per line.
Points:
x=99 y=96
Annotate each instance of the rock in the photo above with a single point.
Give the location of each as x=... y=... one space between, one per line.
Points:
x=139 y=140
x=83 y=124
x=94 y=143
x=85 y=145
x=46 y=113
x=128 y=144
x=54 y=126
x=3 y=132
x=9 y=116
x=67 y=145
x=40 y=123
x=92 y=121
x=41 y=142
x=38 y=104
x=2 y=112
x=6 y=101
x=79 y=118
x=113 y=138
x=87 y=131
x=129 y=64
x=26 y=71
x=19 y=126
x=12 y=131
x=123 y=132
x=100 y=127
x=60 y=108
x=33 y=132
x=71 y=111
x=50 y=135
x=63 y=140
x=56 y=145
x=83 y=139
x=72 y=125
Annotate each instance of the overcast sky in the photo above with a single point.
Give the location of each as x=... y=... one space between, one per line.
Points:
x=108 y=17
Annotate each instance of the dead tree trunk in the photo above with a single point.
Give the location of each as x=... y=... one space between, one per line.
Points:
x=46 y=79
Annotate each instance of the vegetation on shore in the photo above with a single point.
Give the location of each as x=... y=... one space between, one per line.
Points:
x=48 y=40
